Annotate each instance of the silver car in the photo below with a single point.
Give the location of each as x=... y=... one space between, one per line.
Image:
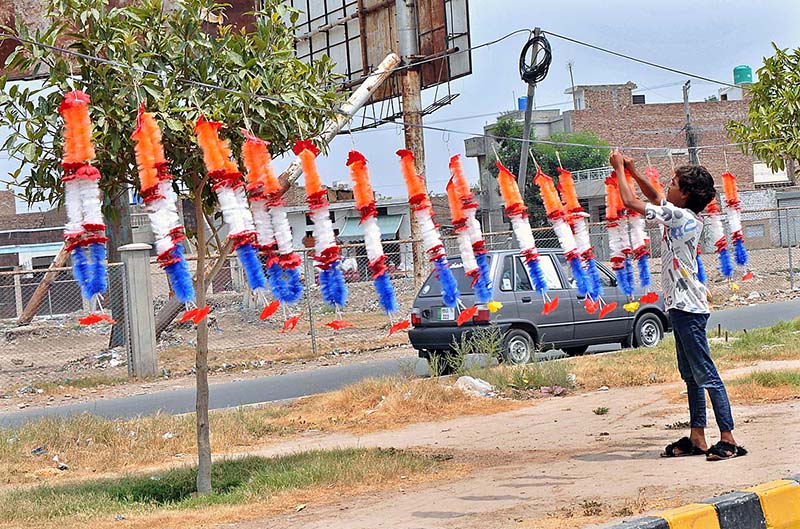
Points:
x=569 y=327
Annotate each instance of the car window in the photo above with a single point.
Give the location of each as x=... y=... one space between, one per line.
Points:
x=523 y=282
x=605 y=278
x=507 y=277
x=433 y=286
x=548 y=269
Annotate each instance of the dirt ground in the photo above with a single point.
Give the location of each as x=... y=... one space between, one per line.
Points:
x=555 y=463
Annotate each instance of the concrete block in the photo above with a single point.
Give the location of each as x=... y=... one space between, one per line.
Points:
x=739 y=510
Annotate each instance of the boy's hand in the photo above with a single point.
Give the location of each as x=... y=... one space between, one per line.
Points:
x=630 y=165
x=616 y=160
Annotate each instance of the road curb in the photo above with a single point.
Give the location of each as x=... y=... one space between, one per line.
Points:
x=773 y=505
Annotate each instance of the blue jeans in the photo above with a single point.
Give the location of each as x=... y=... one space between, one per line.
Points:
x=698 y=370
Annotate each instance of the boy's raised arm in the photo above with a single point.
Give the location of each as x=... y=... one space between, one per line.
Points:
x=631 y=201
x=644 y=184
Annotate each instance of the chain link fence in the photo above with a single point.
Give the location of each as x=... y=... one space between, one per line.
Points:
x=54 y=348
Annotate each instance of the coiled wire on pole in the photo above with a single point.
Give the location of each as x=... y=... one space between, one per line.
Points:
x=537 y=69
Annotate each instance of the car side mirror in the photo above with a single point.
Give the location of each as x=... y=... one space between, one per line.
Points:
x=613 y=282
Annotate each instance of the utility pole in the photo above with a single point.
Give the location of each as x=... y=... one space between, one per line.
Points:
x=572 y=83
x=526 y=131
x=411 y=98
x=691 y=140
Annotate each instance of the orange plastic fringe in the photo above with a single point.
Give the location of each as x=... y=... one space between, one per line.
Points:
x=78 y=147
x=552 y=202
x=308 y=160
x=567 y=187
x=258 y=162
x=655 y=180
x=730 y=188
x=456 y=207
x=208 y=139
x=414 y=183
x=613 y=200
x=508 y=187
x=148 y=149
x=362 y=188
x=459 y=179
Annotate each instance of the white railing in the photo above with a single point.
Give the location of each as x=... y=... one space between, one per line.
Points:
x=597 y=173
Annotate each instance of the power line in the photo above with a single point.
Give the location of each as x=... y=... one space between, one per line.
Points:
x=377 y=121
x=636 y=59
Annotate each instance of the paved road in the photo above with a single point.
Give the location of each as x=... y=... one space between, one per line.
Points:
x=282 y=387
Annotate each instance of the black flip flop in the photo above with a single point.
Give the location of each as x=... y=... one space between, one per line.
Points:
x=724 y=450
x=686 y=447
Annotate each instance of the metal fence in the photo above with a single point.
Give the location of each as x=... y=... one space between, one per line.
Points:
x=54 y=348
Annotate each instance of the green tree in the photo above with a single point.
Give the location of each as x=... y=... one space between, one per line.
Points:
x=182 y=44
x=774 y=112
x=574 y=158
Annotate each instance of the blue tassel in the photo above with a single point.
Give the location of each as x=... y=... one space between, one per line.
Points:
x=539 y=282
x=630 y=277
x=579 y=275
x=740 y=252
x=80 y=269
x=252 y=266
x=449 y=284
x=725 y=264
x=622 y=281
x=595 y=279
x=385 y=290
x=180 y=278
x=276 y=282
x=701 y=270
x=99 y=279
x=332 y=285
x=294 y=285
x=483 y=287
x=644 y=270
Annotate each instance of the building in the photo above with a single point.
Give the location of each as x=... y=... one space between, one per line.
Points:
x=622 y=118
x=28 y=240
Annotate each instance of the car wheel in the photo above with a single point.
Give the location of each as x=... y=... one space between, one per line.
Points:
x=576 y=351
x=648 y=330
x=518 y=347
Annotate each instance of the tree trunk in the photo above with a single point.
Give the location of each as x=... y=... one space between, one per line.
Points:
x=201 y=360
x=119 y=234
x=39 y=294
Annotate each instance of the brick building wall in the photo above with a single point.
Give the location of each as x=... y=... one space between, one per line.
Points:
x=610 y=113
x=7 y=204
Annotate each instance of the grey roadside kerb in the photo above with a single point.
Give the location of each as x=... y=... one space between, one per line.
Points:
x=735 y=510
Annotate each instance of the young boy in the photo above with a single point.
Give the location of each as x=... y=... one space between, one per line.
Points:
x=689 y=192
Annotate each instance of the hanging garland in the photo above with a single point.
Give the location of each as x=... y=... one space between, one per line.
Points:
x=714 y=216
x=227 y=183
x=518 y=213
x=481 y=282
x=84 y=232
x=273 y=232
x=618 y=240
x=578 y=220
x=640 y=246
x=161 y=203
x=733 y=211
x=365 y=204
x=326 y=250
x=422 y=212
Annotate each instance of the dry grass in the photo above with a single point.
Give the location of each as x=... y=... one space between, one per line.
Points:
x=259 y=485
x=90 y=445
x=657 y=365
x=766 y=386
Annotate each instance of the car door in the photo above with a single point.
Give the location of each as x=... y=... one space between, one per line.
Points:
x=589 y=327
x=506 y=286
x=557 y=326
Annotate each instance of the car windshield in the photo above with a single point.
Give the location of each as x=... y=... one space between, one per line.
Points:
x=433 y=287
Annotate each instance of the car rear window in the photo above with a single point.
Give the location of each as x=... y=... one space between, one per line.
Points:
x=433 y=287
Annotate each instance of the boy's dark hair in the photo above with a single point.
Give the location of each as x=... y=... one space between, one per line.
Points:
x=696 y=182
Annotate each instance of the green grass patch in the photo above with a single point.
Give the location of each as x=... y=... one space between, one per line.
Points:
x=771 y=379
x=518 y=381
x=87 y=382
x=235 y=481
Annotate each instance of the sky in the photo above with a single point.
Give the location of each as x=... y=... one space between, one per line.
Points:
x=706 y=37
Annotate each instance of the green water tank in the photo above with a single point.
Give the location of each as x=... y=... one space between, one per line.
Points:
x=743 y=75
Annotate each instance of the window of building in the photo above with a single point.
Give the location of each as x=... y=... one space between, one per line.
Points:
x=755 y=231
x=383 y=211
